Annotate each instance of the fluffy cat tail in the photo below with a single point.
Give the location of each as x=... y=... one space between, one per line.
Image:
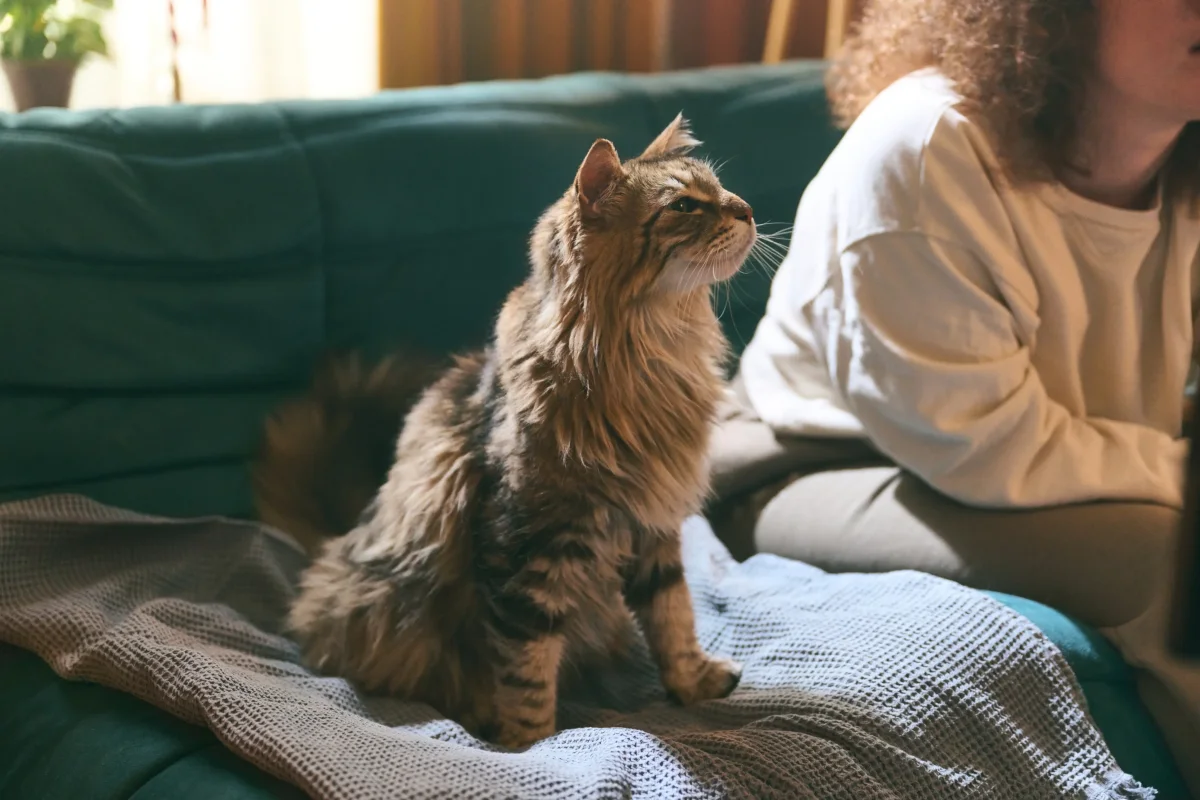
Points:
x=323 y=456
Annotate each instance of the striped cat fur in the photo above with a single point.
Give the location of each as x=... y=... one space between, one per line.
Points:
x=528 y=518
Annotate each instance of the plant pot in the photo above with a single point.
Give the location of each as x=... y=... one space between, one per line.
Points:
x=37 y=83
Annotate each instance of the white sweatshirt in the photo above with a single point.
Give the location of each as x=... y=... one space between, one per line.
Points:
x=1012 y=346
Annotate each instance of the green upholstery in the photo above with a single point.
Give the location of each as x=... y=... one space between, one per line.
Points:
x=166 y=275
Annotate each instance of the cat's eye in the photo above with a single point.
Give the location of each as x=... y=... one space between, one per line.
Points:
x=685 y=205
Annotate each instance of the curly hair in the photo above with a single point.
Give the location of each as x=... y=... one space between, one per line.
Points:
x=1019 y=65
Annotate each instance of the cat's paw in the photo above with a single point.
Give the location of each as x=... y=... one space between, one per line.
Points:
x=518 y=735
x=715 y=678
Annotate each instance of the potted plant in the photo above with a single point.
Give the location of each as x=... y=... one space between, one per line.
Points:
x=42 y=43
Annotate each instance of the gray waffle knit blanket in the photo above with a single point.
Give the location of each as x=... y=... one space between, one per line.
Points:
x=898 y=685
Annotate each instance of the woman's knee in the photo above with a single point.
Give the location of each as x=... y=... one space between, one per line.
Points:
x=832 y=519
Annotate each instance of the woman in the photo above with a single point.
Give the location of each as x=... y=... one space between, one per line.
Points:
x=974 y=357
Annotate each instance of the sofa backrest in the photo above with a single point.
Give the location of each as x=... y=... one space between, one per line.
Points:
x=168 y=274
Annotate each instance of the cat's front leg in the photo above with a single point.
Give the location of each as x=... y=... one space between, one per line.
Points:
x=526 y=695
x=527 y=616
x=656 y=592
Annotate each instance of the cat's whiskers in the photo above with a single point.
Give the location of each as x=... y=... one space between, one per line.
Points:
x=725 y=297
x=769 y=249
x=776 y=236
x=769 y=259
x=780 y=238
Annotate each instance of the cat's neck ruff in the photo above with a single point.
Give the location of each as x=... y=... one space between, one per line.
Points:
x=603 y=342
x=633 y=393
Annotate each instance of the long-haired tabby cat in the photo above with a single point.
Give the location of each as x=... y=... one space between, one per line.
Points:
x=532 y=509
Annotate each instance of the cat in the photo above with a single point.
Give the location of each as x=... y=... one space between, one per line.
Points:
x=531 y=515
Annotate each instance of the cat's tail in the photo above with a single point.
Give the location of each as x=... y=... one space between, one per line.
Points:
x=324 y=456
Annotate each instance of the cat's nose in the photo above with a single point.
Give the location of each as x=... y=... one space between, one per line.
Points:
x=739 y=209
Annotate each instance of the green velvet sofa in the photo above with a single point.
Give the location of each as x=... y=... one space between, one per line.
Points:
x=166 y=275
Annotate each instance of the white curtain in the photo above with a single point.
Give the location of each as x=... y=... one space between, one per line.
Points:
x=251 y=50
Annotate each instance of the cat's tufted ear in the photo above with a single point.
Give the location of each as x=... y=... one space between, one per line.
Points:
x=675 y=138
x=597 y=175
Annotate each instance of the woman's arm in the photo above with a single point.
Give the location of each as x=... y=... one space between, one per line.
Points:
x=927 y=356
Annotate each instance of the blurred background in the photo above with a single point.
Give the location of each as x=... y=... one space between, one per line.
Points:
x=151 y=52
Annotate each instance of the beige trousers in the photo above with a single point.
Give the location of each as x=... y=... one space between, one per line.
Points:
x=841 y=506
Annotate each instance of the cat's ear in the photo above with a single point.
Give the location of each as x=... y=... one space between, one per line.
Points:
x=675 y=138
x=597 y=175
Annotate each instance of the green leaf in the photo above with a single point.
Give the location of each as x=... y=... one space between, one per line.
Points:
x=32 y=10
x=31 y=29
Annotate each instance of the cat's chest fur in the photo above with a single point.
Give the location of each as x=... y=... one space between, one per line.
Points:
x=625 y=429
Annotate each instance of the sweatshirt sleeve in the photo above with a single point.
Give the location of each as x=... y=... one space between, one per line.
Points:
x=926 y=354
